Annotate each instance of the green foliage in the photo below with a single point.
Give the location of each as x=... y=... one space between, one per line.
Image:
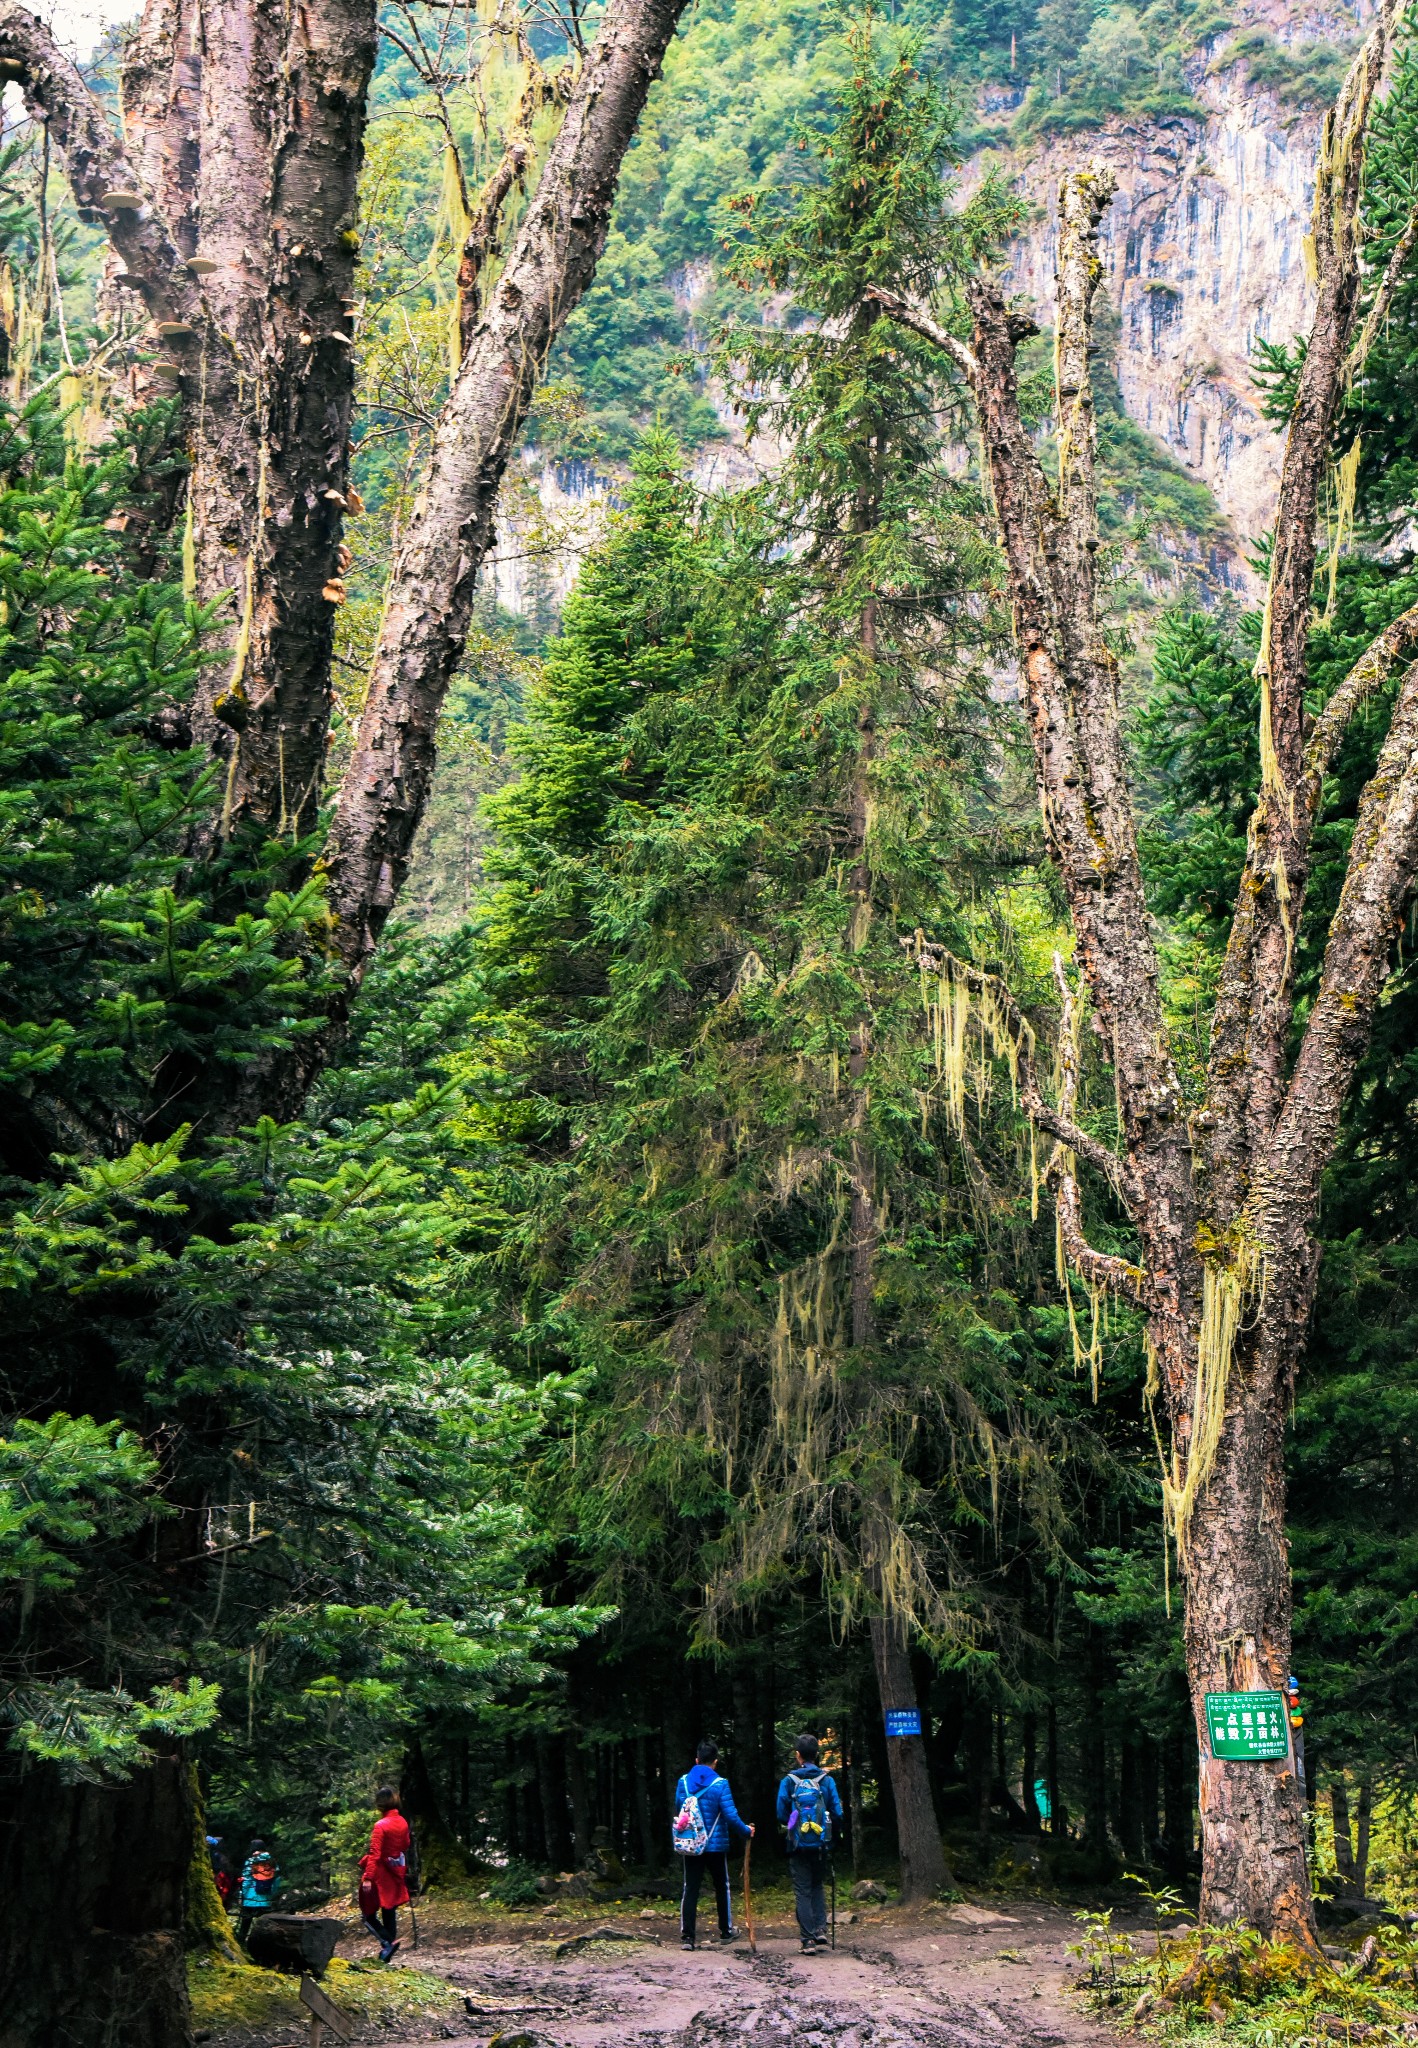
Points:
x=252 y=1482
x=58 y=1479
x=1303 y=75
x=755 y=764
x=1089 y=61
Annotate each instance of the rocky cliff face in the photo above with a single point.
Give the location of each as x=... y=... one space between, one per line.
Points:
x=1203 y=250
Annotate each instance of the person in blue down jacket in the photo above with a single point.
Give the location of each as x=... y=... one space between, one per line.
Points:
x=719 y=1814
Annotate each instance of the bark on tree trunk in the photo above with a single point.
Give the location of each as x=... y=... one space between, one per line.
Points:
x=1237 y=1637
x=854 y=1793
x=923 y=1867
x=91 y=1939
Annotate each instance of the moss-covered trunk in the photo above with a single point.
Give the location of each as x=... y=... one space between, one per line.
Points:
x=93 y=1883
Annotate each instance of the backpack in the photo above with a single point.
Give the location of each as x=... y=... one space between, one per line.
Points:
x=261 y=1874
x=810 y=1821
x=690 y=1833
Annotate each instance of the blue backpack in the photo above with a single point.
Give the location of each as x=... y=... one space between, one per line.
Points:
x=810 y=1820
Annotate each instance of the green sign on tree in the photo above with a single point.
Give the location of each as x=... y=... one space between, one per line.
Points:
x=1247 y=1724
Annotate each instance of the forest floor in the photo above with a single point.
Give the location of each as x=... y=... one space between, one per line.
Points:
x=966 y=1976
x=962 y=1976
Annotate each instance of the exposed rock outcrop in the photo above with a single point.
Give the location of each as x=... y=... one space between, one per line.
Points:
x=1204 y=252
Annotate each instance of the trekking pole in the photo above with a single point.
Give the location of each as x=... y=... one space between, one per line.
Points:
x=748 y=1895
x=832 y=1872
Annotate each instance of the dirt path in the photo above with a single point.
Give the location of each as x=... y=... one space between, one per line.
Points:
x=963 y=1977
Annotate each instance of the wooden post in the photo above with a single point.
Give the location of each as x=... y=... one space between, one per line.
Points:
x=324 y=2013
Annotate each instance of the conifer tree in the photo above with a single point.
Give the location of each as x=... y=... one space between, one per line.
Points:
x=729 y=1195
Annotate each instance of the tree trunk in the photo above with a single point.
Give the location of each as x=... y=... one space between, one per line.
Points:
x=854 y=1793
x=1130 y=1814
x=1343 y=1839
x=579 y=1790
x=248 y=126
x=551 y=1778
x=1029 y=1773
x=1148 y=1781
x=1238 y=1639
x=511 y=1806
x=645 y=1807
x=91 y=1937
x=977 y=1779
x=1365 y=1827
x=1176 y=1807
x=923 y=1867
x=1058 y=1819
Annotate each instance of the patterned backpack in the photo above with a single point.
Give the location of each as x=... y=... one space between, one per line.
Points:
x=690 y=1834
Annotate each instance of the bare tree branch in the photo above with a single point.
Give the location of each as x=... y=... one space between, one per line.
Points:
x=1363 y=682
x=1056 y=1120
x=430 y=597
x=97 y=162
x=920 y=322
x=1388 y=284
x=1383 y=858
x=1255 y=995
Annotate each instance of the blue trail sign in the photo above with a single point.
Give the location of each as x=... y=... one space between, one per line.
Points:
x=903 y=1720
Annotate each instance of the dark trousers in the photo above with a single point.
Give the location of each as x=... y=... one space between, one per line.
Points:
x=716 y=1862
x=809 y=1868
x=387 y=1925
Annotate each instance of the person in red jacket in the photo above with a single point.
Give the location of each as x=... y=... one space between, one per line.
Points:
x=386 y=1867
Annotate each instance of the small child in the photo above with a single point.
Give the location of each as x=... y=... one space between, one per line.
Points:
x=260 y=1882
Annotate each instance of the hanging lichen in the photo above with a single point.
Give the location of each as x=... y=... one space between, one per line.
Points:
x=1346 y=478
x=1233 y=1281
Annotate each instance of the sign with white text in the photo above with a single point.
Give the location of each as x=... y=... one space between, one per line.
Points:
x=1247 y=1725
x=903 y=1720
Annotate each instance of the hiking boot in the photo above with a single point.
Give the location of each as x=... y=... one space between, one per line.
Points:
x=732 y=1935
x=688 y=1946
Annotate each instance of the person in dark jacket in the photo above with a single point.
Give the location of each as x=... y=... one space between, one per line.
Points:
x=809 y=1804
x=719 y=1814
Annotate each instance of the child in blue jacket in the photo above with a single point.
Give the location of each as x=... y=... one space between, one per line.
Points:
x=719 y=1814
x=809 y=1806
